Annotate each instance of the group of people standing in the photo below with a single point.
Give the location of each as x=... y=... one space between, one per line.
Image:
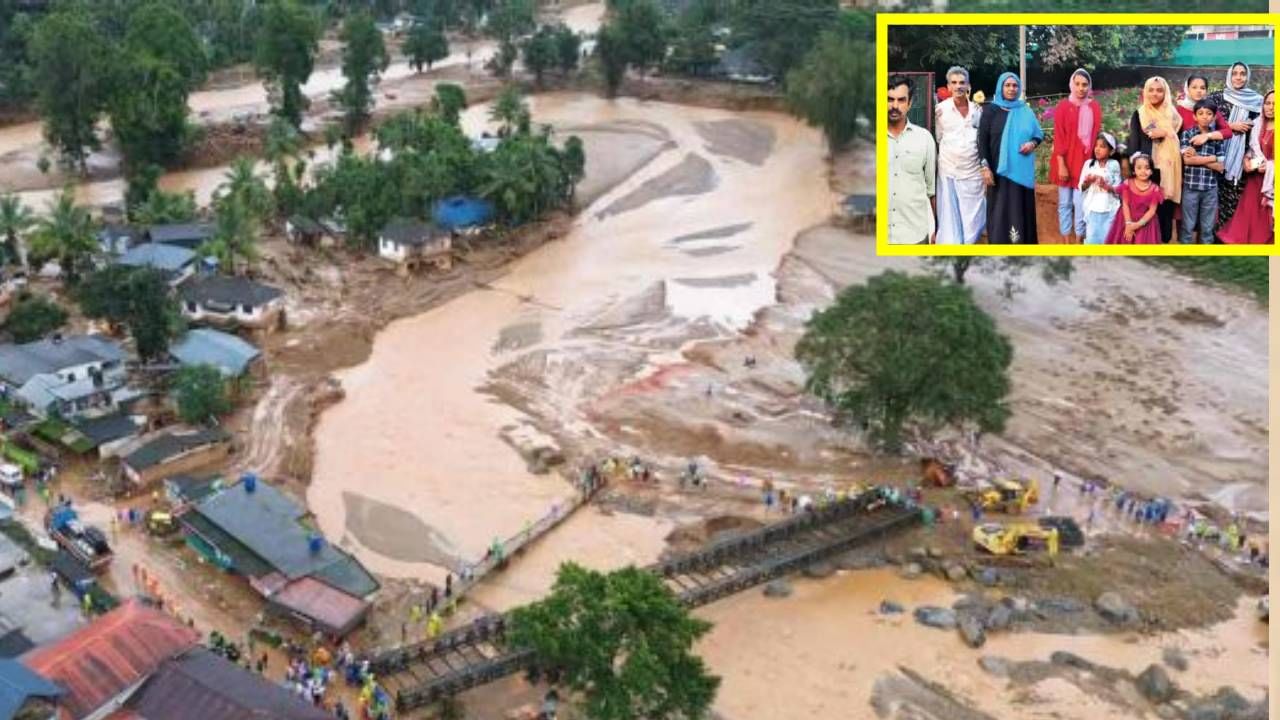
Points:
x=1203 y=163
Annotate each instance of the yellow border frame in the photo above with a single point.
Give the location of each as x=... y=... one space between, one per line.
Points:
x=885 y=20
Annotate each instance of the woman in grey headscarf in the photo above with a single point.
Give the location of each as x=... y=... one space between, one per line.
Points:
x=1241 y=105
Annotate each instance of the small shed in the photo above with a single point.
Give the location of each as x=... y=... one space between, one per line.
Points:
x=861 y=209
x=173 y=452
x=304 y=230
x=410 y=242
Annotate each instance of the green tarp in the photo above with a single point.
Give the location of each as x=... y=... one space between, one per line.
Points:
x=1207 y=53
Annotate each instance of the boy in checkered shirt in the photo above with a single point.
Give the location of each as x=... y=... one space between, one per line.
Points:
x=1200 y=166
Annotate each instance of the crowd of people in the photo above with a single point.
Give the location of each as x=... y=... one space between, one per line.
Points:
x=1202 y=163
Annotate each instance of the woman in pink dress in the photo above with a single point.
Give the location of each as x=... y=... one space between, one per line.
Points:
x=1139 y=198
x=1252 y=223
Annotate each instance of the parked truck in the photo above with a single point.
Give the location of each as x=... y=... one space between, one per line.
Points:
x=84 y=542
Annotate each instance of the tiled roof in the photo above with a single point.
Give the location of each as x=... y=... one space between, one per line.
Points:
x=106 y=657
x=228 y=290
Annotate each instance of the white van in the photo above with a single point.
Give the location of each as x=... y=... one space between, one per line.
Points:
x=10 y=476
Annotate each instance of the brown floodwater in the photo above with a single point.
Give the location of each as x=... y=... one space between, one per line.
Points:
x=819 y=653
x=414 y=432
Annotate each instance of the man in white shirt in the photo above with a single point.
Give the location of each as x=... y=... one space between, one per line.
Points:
x=912 y=170
x=962 y=197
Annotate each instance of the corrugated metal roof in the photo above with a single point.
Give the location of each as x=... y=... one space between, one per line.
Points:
x=200 y=685
x=228 y=290
x=115 y=651
x=335 y=611
x=17 y=683
x=20 y=363
x=206 y=346
x=107 y=428
x=169 y=258
x=171 y=445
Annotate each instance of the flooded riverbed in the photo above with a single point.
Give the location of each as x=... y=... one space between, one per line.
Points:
x=415 y=433
x=819 y=654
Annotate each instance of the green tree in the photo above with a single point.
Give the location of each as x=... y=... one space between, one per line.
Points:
x=510 y=110
x=17 y=76
x=449 y=102
x=240 y=204
x=611 y=49
x=283 y=145
x=242 y=185
x=524 y=177
x=285 y=56
x=65 y=234
x=162 y=207
x=782 y=31
x=644 y=28
x=501 y=63
x=509 y=19
x=15 y=220
x=574 y=164
x=159 y=30
x=879 y=359
x=693 y=48
x=33 y=317
x=834 y=87
x=426 y=45
x=200 y=392
x=623 y=641
x=568 y=48
x=1092 y=47
x=72 y=71
x=364 y=57
x=984 y=50
x=137 y=298
x=149 y=112
x=541 y=53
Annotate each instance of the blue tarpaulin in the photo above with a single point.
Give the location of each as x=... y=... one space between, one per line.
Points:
x=462 y=212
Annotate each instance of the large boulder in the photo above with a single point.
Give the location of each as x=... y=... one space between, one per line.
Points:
x=1154 y=684
x=911 y=571
x=954 y=572
x=1174 y=658
x=1056 y=605
x=1231 y=700
x=1000 y=617
x=971 y=631
x=1115 y=609
x=889 y=607
x=989 y=577
x=820 y=569
x=861 y=560
x=1070 y=659
x=937 y=617
x=1205 y=711
x=779 y=588
x=995 y=665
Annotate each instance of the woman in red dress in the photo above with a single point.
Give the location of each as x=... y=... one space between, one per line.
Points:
x=1254 y=220
x=1139 y=197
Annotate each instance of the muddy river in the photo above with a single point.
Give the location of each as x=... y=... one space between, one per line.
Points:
x=417 y=447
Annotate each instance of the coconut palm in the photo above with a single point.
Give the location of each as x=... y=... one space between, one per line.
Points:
x=65 y=234
x=243 y=186
x=15 y=220
x=510 y=110
x=235 y=234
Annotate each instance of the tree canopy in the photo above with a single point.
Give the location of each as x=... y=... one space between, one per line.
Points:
x=905 y=351
x=621 y=639
x=73 y=66
x=200 y=392
x=137 y=298
x=364 y=57
x=33 y=317
x=781 y=31
x=65 y=234
x=834 y=86
x=286 y=46
x=426 y=45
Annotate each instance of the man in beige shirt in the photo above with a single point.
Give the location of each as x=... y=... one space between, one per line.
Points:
x=912 y=169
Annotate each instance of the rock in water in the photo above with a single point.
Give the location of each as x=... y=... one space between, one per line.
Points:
x=995 y=665
x=955 y=572
x=971 y=631
x=911 y=571
x=1174 y=658
x=1000 y=617
x=1154 y=684
x=820 y=569
x=779 y=588
x=989 y=577
x=1115 y=609
x=889 y=607
x=934 y=616
x=1062 y=657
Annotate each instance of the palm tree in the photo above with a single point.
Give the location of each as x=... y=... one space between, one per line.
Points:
x=66 y=234
x=15 y=220
x=244 y=187
x=235 y=234
x=509 y=109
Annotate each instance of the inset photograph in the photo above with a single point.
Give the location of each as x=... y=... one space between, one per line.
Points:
x=1078 y=135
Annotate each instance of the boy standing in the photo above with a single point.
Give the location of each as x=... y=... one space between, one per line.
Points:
x=1200 y=166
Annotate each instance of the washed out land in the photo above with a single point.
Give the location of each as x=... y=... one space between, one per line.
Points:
x=418 y=416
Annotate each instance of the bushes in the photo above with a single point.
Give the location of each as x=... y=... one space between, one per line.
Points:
x=1249 y=274
x=33 y=317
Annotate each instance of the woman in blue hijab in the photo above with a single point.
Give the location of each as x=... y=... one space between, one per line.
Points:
x=1008 y=135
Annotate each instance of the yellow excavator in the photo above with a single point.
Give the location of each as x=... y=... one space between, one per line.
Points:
x=1016 y=538
x=1006 y=495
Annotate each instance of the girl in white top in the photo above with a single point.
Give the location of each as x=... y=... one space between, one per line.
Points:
x=1100 y=181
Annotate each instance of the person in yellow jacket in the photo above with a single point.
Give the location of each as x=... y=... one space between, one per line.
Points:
x=434 y=626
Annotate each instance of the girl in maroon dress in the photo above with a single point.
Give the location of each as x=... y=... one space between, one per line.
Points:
x=1139 y=198
x=1253 y=221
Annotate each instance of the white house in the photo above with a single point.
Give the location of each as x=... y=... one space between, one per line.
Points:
x=77 y=375
x=231 y=301
x=410 y=242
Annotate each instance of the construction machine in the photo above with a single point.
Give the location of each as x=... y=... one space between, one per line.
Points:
x=1015 y=538
x=1006 y=495
x=937 y=473
x=161 y=523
